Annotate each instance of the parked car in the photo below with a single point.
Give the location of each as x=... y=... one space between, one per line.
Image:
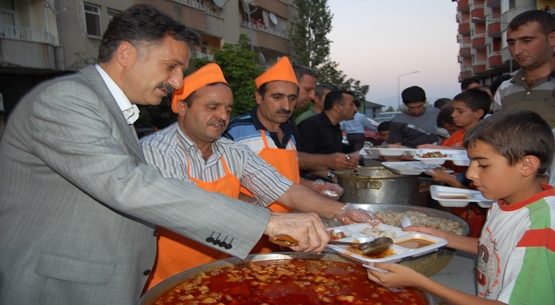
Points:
x=386 y=116
x=372 y=138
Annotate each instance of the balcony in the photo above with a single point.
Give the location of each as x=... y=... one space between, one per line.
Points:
x=29 y=48
x=477 y=11
x=464 y=51
x=479 y=67
x=495 y=59
x=26 y=34
x=465 y=73
x=462 y=6
x=479 y=41
x=200 y=6
x=494 y=28
x=259 y=27
x=464 y=27
x=493 y=3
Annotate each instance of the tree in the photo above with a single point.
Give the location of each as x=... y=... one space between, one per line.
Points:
x=311 y=47
x=239 y=68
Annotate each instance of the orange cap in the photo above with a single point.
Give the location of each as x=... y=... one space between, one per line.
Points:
x=282 y=70
x=208 y=74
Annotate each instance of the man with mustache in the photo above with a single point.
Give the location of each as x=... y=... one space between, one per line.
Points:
x=191 y=150
x=79 y=203
x=265 y=130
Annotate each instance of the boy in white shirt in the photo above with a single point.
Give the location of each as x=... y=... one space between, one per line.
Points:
x=510 y=153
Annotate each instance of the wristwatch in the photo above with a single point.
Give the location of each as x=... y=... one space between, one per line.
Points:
x=331 y=175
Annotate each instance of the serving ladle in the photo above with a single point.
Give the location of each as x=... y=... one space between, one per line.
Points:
x=374 y=247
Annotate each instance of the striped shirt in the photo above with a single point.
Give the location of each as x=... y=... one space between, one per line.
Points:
x=163 y=150
x=516 y=258
x=516 y=94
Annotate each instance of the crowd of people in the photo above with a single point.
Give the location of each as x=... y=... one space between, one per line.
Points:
x=90 y=214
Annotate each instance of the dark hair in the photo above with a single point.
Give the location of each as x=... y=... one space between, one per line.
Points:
x=301 y=71
x=357 y=103
x=321 y=88
x=444 y=116
x=413 y=95
x=334 y=97
x=143 y=25
x=515 y=134
x=442 y=102
x=467 y=82
x=384 y=126
x=545 y=19
x=475 y=99
x=193 y=96
x=497 y=82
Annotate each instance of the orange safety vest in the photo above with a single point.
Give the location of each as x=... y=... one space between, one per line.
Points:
x=177 y=253
x=285 y=162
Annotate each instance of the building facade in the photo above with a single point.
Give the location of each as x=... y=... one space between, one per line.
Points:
x=482 y=35
x=41 y=39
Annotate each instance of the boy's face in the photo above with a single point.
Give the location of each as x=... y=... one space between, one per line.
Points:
x=493 y=176
x=384 y=135
x=463 y=116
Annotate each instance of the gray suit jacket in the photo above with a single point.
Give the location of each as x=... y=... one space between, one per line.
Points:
x=78 y=202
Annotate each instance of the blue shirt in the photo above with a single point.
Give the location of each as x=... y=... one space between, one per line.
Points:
x=357 y=124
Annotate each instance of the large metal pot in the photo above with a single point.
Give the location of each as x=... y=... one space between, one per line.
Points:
x=153 y=294
x=378 y=184
x=431 y=263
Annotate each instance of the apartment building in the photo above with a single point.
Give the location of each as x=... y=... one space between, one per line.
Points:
x=482 y=35
x=41 y=39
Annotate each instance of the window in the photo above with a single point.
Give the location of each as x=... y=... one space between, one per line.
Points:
x=512 y=4
x=111 y=14
x=92 y=20
x=7 y=12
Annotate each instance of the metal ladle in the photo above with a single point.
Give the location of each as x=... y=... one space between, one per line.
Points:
x=371 y=248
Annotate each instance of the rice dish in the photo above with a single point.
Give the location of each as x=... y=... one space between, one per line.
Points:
x=375 y=232
x=422 y=220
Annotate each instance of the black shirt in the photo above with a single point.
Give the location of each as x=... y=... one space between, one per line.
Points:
x=320 y=136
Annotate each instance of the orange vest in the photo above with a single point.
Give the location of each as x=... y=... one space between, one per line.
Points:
x=285 y=162
x=177 y=253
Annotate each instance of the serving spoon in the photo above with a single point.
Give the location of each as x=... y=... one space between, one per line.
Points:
x=374 y=247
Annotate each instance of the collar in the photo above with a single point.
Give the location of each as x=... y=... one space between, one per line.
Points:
x=518 y=79
x=258 y=125
x=191 y=147
x=326 y=119
x=548 y=191
x=130 y=111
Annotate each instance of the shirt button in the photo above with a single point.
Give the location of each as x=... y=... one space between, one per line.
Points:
x=155 y=233
x=147 y=272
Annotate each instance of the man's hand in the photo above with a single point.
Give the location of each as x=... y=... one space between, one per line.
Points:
x=341 y=161
x=349 y=214
x=329 y=190
x=307 y=229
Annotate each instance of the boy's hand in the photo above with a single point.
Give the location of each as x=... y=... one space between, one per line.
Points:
x=426 y=230
x=398 y=276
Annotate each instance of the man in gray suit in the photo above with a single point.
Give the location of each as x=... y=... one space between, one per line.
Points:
x=78 y=203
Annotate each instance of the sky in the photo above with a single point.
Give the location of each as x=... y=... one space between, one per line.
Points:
x=375 y=41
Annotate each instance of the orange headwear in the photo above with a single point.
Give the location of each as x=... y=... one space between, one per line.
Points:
x=282 y=70
x=208 y=74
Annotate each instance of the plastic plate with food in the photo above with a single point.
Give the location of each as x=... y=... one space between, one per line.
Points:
x=457 y=197
x=392 y=152
x=439 y=156
x=412 y=167
x=405 y=244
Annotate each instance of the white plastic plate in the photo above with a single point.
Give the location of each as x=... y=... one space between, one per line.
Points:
x=458 y=157
x=410 y=167
x=393 y=152
x=445 y=195
x=400 y=235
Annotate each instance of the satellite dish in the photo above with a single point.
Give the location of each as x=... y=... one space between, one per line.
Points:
x=219 y=3
x=246 y=7
x=261 y=58
x=273 y=18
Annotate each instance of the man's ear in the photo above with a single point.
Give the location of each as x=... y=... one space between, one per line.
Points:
x=181 y=107
x=530 y=165
x=126 y=53
x=258 y=97
x=551 y=39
